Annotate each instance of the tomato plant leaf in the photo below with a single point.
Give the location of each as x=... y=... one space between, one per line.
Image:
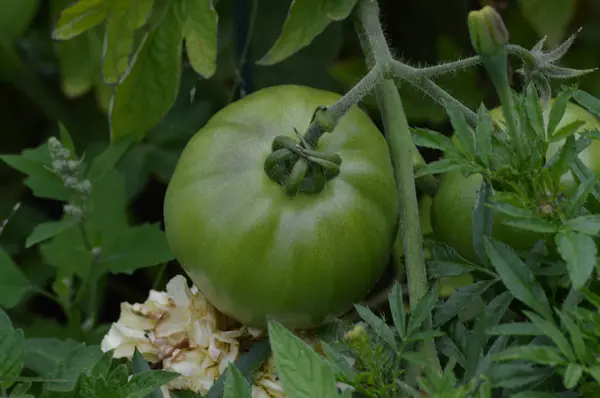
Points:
x=421 y=311
x=236 y=385
x=543 y=355
x=533 y=110
x=576 y=337
x=462 y=130
x=379 y=326
x=534 y=223
x=572 y=375
x=461 y=298
x=79 y=360
x=517 y=277
x=106 y=161
x=306 y=19
x=78 y=18
x=579 y=252
x=150 y=85
x=13 y=282
x=589 y=224
x=549 y=328
x=67 y=252
x=47 y=230
x=432 y=139
x=303 y=372
x=396 y=301
x=200 y=32
x=44 y=354
x=566 y=131
x=588 y=101
x=558 y=111
x=337 y=361
x=12 y=349
x=36 y=164
x=483 y=135
x=579 y=198
x=583 y=173
x=438 y=167
x=562 y=161
x=144 y=383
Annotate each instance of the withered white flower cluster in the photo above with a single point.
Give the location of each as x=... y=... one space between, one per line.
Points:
x=179 y=329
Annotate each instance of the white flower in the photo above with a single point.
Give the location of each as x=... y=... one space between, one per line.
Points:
x=124 y=340
x=198 y=371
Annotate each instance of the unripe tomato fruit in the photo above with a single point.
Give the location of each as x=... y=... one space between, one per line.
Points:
x=255 y=251
x=452 y=208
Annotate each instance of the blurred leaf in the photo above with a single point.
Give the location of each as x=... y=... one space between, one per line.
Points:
x=438 y=167
x=236 y=385
x=67 y=252
x=572 y=375
x=142 y=384
x=554 y=333
x=579 y=252
x=549 y=17
x=201 y=36
x=106 y=161
x=43 y=355
x=125 y=17
x=12 y=348
x=557 y=111
x=151 y=84
x=589 y=224
x=445 y=311
x=517 y=277
x=79 y=360
x=13 y=282
x=47 y=230
x=542 y=355
x=483 y=219
x=81 y=16
x=139 y=365
x=462 y=130
x=588 y=101
x=483 y=134
x=306 y=20
x=379 y=326
x=303 y=372
x=515 y=329
x=566 y=131
x=421 y=311
x=432 y=139
x=16 y=17
x=397 y=308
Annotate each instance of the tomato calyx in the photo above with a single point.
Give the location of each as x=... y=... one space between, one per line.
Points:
x=298 y=167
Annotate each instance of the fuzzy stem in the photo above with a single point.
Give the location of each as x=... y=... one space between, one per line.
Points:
x=449 y=67
x=399 y=138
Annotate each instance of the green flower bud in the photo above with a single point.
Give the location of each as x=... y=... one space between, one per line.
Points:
x=487 y=31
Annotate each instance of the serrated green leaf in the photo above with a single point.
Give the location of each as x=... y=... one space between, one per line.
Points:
x=12 y=348
x=200 y=32
x=517 y=277
x=303 y=372
x=589 y=224
x=142 y=384
x=150 y=86
x=78 y=361
x=396 y=301
x=543 y=355
x=572 y=375
x=445 y=311
x=533 y=223
x=44 y=354
x=78 y=18
x=13 y=282
x=139 y=365
x=432 y=139
x=140 y=246
x=16 y=17
x=579 y=252
x=379 y=326
x=48 y=230
x=108 y=158
x=554 y=333
x=236 y=385
x=337 y=361
x=588 y=101
x=306 y=19
x=68 y=253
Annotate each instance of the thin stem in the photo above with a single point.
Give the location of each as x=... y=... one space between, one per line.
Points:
x=423 y=83
x=448 y=67
x=400 y=142
x=522 y=53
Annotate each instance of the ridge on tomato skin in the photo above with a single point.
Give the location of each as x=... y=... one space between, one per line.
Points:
x=255 y=251
x=452 y=207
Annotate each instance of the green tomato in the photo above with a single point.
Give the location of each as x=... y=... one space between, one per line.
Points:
x=452 y=207
x=255 y=251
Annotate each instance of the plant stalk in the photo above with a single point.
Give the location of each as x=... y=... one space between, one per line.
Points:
x=400 y=141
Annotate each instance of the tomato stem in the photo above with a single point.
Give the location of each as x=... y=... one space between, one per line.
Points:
x=398 y=135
